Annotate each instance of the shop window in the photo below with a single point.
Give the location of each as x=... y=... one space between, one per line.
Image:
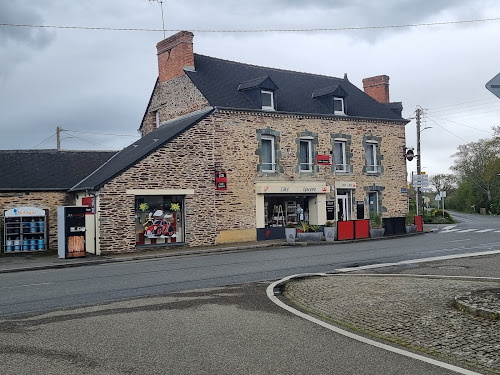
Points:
x=159 y=219
x=305 y=154
x=268 y=154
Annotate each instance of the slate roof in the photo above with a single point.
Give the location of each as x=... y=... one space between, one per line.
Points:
x=140 y=149
x=219 y=80
x=47 y=170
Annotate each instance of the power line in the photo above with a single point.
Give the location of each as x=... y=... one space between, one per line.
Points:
x=460 y=104
x=115 y=135
x=442 y=127
x=53 y=135
x=92 y=143
x=351 y=28
x=467 y=126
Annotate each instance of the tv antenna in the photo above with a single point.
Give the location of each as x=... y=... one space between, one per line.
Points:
x=162 y=19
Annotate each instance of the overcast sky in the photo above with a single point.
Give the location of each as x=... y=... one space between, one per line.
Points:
x=100 y=81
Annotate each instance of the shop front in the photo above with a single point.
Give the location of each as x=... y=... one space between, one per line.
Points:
x=279 y=204
x=24 y=230
x=343 y=201
x=159 y=216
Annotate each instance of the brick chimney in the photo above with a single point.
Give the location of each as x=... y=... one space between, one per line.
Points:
x=377 y=87
x=174 y=55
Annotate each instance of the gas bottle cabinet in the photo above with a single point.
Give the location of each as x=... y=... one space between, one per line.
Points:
x=24 y=230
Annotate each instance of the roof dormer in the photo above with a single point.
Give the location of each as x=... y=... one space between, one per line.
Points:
x=261 y=91
x=333 y=98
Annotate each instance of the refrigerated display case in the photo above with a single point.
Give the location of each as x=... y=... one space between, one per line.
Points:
x=25 y=230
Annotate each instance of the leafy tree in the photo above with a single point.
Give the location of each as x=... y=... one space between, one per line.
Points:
x=477 y=167
x=443 y=182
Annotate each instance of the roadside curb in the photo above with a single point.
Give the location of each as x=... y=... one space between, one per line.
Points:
x=109 y=259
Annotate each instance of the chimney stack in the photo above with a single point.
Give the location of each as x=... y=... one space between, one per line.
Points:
x=174 y=55
x=377 y=87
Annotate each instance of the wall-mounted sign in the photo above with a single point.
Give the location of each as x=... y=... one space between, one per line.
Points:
x=291 y=189
x=324 y=159
x=89 y=203
x=220 y=181
x=345 y=185
x=25 y=211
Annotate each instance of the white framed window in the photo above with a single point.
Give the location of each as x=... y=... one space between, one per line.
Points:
x=338 y=106
x=268 y=154
x=371 y=157
x=305 y=154
x=267 y=100
x=339 y=155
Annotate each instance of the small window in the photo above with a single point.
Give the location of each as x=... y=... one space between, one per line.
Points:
x=371 y=158
x=373 y=203
x=268 y=154
x=267 y=99
x=339 y=157
x=338 y=106
x=305 y=155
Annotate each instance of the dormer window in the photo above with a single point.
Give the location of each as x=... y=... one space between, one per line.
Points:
x=338 y=106
x=267 y=99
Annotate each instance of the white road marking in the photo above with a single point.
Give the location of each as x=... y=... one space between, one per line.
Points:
x=465 y=239
x=466 y=230
x=448 y=227
x=273 y=298
x=449 y=230
x=484 y=230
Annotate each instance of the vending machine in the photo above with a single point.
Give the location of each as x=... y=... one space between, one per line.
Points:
x=71 y=231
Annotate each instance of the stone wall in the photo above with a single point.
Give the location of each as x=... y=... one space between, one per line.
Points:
x=227 y=140
x=44 y=200
x=172 y=99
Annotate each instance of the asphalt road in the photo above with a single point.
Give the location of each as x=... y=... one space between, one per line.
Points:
x=232 y=330
x=98 y=319
x=31 y=292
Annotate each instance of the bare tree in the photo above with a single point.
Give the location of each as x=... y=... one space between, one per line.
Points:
x=443 y=182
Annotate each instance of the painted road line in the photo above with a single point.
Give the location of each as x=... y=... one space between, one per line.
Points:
x=273 y=298
x=466 y=230
x=449 y=230
x=484 y=230
x=24 y=285
x=449 y=227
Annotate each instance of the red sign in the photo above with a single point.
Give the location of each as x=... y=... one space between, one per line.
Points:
x=220 y=181
x=89 y=202
x=324 y=159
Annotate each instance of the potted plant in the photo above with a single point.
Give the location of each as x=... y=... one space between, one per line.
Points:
x=329 y=231
x=410 y=223
x=309 y=232
x=290 y=232
x=376 y=225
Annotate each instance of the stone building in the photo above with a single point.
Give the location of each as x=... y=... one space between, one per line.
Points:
x=233 y=152
x=42 y=179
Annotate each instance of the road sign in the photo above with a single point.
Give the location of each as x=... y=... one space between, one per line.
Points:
x=494 y=85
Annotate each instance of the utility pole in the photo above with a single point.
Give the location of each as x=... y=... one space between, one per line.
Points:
x=58 y=131
x=419 y=113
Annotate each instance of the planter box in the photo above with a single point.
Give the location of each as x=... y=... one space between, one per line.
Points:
x=411 y=229
x=290 y=234
x=310 y=236
x=329 y=233
x=377 y=232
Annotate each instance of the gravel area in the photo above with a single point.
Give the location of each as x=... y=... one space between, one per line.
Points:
x=413 y=312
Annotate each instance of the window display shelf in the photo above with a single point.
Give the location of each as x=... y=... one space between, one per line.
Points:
x=23 y=234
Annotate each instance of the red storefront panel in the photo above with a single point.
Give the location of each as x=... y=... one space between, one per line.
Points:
x=345 y=230
x=362 y=228
x=419 y=223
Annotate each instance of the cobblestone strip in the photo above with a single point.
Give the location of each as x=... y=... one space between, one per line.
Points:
x=416 y=313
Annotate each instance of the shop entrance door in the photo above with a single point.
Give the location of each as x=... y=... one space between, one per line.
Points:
x=342 y=207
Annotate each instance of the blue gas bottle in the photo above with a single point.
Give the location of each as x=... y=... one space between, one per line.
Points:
x=33 y=226
x=26 y=244
x=40 y=243
x=32 y=244
x=41 y=226
x=17 y=244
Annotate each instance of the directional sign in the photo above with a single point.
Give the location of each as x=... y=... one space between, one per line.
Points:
x=494 y=85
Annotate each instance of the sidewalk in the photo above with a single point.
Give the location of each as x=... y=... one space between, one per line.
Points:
x=38 y=261
x=455 y=320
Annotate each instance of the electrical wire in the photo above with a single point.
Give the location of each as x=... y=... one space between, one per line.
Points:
x=442 y=127
x=53 y=135
x=351 y=28
x=454 y=105
x=467 y=126
x=115 y=135
x=92 y=143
